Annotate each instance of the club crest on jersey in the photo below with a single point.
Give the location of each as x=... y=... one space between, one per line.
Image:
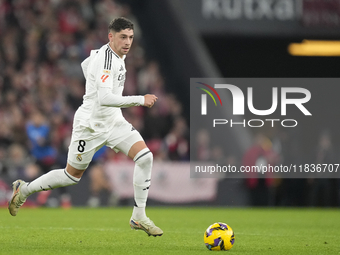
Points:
x=79 y=158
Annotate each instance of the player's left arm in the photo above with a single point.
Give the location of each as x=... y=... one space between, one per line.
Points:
x=104 y=79
x=104 y=83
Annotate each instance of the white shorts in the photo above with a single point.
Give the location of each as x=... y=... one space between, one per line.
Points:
x=85 y=142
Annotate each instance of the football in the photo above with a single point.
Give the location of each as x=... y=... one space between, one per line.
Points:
x=219 y=237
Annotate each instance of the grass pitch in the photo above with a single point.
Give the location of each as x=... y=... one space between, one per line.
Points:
x=106 y=231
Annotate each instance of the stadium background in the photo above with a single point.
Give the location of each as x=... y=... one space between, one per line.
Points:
x=43 y=43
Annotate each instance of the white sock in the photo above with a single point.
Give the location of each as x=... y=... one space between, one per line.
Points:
x=51 y=180
x=141 y=182
x=138 y=213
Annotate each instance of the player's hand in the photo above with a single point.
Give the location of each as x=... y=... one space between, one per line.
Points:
x=149 y=100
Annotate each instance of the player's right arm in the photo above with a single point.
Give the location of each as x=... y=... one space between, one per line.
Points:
x=84 y=65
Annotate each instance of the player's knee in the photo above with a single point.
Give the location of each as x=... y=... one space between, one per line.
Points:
x=145 y=160
x=72 y=171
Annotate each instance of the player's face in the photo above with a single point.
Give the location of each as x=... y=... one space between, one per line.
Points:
x=121 y=41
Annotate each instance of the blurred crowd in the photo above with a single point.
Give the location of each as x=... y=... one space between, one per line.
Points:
x=42 y=45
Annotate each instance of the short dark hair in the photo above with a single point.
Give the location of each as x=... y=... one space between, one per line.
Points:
x=120 y=24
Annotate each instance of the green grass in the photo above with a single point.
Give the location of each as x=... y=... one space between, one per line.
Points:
x=106 y=231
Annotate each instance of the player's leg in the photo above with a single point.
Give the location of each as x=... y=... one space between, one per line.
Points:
x=42 y=197
x=135 y=147
x=51 y=180
x=143 y=159
x=79 y=156
x=55 y=179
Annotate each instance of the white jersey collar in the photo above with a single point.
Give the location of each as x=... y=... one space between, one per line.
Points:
x=114 y=53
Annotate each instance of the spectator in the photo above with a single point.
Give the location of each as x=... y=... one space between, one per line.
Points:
x=38 y=133
x=322 y=189
x=260 y=187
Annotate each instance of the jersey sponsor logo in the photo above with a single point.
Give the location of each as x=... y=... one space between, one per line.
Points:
x=104 y=77
x=121 y=79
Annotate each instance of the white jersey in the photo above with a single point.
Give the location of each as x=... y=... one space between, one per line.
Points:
x=105 y=74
